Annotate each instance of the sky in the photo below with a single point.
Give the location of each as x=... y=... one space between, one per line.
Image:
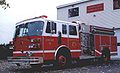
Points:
x=24 y=9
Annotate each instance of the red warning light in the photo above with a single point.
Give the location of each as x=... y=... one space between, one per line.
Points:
x=43 y=16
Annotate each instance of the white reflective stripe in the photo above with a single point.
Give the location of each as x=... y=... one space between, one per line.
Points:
x=113 y=52
x=98 y=51
x=49 y=51
x=101 y=53
x=45 y=51
x=35 y=51
x=15 y=52
x=75 y=50
x=52 y=51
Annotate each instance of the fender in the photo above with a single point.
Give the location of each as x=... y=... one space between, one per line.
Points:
x=58 y=49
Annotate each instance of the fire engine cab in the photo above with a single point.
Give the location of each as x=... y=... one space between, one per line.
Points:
x=38 y=40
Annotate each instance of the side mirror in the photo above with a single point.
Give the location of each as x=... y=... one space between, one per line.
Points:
x=59 y=37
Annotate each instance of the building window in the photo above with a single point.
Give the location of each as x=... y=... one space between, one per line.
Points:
x=116 y=4
x=73 y=12
x=118 y=44
x=72 y=30
x=64 y=29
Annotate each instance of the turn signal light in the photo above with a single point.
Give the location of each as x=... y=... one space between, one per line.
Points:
x=43 y=16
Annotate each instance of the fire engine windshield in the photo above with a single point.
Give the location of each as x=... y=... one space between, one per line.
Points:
x=29 y=29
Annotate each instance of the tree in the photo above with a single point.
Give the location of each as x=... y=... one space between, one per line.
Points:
x=4 y=4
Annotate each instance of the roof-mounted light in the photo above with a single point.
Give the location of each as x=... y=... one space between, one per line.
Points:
x=43 y=16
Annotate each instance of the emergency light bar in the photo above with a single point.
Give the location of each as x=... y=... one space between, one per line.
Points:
x=42 y=16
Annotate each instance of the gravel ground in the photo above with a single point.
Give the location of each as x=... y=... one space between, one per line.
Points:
x=113 y=67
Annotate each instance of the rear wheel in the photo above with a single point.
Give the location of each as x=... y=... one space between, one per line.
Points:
x=106 y=56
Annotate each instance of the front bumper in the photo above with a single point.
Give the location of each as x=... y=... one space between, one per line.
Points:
x=28 y=60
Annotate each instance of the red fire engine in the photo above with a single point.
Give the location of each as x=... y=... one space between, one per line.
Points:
x=38 y=40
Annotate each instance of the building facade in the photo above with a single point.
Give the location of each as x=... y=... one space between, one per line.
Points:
x=104 y=13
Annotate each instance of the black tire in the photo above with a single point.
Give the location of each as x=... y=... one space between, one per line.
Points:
x=105 y=56
x=63 y=60
x=36 y=67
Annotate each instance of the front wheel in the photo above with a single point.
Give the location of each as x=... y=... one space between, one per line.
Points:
x=63 y=60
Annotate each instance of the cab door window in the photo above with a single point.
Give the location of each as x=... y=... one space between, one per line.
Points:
x=51 y=27
x=64 y=29
x=72 y=30
x=48 y=30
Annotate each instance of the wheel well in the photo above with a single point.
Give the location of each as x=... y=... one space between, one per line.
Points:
x=63 y=50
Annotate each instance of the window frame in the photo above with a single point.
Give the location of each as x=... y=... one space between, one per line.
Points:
x=116 y=4
x=64 y=29
x=73 y=12
x=52 y=26
x=48 y=28
x=72 y=31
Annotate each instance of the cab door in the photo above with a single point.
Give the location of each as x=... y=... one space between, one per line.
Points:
x=50 y=40
x=74 y=43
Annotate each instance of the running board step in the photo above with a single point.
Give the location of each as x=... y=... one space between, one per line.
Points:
x=86 y=57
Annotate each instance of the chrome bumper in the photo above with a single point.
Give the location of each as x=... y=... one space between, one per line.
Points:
x=28 y=60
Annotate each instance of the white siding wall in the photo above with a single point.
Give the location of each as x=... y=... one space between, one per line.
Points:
x=106 y=18
x=117 y=33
